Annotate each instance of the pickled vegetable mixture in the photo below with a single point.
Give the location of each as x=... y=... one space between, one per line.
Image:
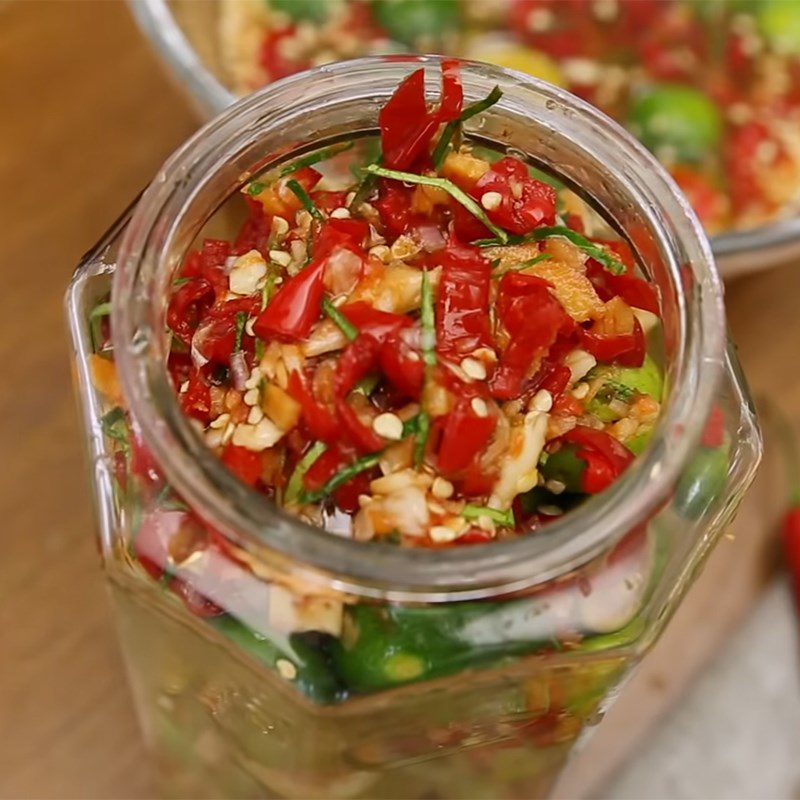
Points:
x=713 y=88
x=436 y=354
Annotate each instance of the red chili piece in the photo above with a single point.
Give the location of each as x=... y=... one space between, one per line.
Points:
x=464 y=436
x=525 y=203
x=407 y=126
x=462 y=305
x=533 y=319
x=296 y=305
x=320 y=422
x=243 y=463
x=606 y=458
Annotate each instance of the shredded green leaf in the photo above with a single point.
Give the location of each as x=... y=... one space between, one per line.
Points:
x=423 y=431
x=294 y=488
x=505 y=518
x=344 y=324
x=448 y=186
x=302 y=196
x=428 y=321
x=180 y=281
x=596 y=251
x=115 y=427
x=449 y=130
x=340 y=478
x=367 y=384
x=241 y=321
x=314 y=158
x=100 y=310
x=524 y=265
x=255 y=188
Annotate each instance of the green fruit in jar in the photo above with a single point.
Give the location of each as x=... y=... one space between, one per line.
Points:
x=647 y=379
x=415 y=22
x=702 y=481
x=305 y=662
x=565 y=467
x=779 y=23
x=678 y=118
x=309 y=10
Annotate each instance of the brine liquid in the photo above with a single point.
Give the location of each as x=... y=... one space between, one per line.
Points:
x=221 y=726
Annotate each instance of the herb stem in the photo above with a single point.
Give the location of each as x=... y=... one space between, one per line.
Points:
x=294 y=488
x=445 y=185
x=428 y=321
x=505 y=518
x=241 y=321
x=344 y=324
x=303 y=197
x=449 y=130
x=314 y=158
x=340 y=478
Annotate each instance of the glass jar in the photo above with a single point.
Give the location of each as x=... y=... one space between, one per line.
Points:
x=270 y=658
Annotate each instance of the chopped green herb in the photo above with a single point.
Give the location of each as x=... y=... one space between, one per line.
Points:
x=294 y=488
x=241 y=321
x=448 y=186
x=411 y=426
x=180 y=281
x=505 y=518
x=314 y=158
x=428 y=321
x=100 y=310
x=364 y=187
x=269 y=284
x=421 y=434
x=302 y=196
x=451 y=127
x=255 y=188
x=344 y=324
x=367 y=384
x=595 y=251
x=115 y=427
x=524 y=265
x=340 y=478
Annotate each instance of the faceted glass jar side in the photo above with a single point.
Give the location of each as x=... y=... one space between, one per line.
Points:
x=251 y=680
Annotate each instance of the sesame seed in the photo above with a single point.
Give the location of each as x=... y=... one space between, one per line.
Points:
x=340 y=213
x=280 y=257
x=286 y=669
x=388 y=425
x=251 y=397
x=491 y=200
x=442 y=534
x=473 y=368
x=554 y=486
x=221 y=421
x=479 y=407
x=442 y=488
x=542 y=401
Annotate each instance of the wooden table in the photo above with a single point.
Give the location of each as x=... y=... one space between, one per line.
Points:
x=87 y=117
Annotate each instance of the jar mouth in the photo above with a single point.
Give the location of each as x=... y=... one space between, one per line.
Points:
x=191 y=186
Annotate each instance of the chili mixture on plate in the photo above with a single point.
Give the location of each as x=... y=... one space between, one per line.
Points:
x=434 y=348
x=712 y=88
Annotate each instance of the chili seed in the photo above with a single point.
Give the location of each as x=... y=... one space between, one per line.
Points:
x=442 y=534
x=286 y=669
x=389 y=426
x=280 y=257
x=479 y=407
x=340 y=213
x=491 y=200
x=442 y=488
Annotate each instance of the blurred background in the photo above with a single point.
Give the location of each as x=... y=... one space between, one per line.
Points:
x=89 y=114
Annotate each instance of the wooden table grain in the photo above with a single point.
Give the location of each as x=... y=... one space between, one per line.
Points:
x=86 y=117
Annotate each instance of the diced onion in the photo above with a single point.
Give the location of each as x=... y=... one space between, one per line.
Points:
x=239 y=371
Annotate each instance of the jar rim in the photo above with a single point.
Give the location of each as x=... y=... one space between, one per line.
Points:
x=285 y=543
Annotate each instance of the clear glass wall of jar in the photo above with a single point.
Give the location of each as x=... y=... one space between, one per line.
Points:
x=471 y=674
